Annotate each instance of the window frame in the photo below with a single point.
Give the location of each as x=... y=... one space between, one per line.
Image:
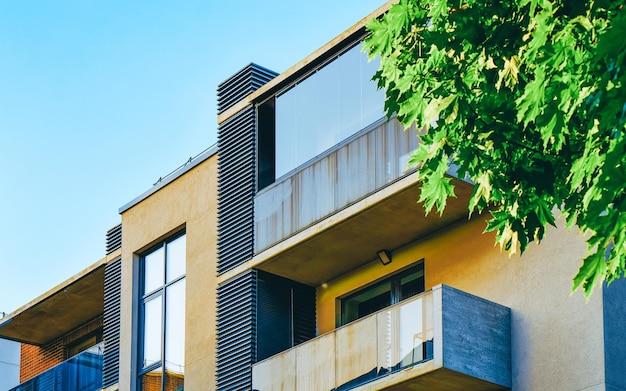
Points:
x=85 y=342
x=395 y=291
x=145 y=297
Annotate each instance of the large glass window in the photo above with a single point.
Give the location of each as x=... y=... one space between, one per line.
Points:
x=162 y=328
x=383 y=294
x=326 y=108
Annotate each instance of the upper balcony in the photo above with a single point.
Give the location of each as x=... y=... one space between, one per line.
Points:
x=443 y=339
x=60 y=310
x=329 y=166
x=346 y=204
x=83 y=372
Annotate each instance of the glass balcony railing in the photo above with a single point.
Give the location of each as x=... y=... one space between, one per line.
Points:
x=444 y=339
x=82 y=372
x=362 y=351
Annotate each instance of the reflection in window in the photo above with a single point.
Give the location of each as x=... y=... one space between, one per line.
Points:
x=383 y=294
x=152 y=331
x=163 y=317
x=153 y=270
x=410 y=333
x=326 y=108
x=366 y=302
x=152 y=380
x=175 y=329
x=175 y=263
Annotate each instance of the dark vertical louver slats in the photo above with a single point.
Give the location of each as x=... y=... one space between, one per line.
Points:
x=273 y=315
x=236 y=332
x=304 y=319
x=111 y=329
x=237 y=168
x=113 y=239
x=236 y=163
x=242 y=83
x=237 y=298
x=285 y=314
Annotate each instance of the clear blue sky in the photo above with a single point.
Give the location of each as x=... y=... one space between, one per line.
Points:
x=98 y=99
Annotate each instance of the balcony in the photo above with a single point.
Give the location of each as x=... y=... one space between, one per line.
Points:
x=82 y=372
x=444 y=339
x=360 y=191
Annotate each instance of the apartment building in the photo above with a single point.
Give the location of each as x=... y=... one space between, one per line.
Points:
x=294 y=256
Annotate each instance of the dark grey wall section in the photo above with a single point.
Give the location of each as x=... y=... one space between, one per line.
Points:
x=236 y=332
x=476 y=337
x=614 y=308
x=111 y=321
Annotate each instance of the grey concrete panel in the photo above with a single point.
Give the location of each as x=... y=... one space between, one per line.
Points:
x=614 y=308
x=476 y=337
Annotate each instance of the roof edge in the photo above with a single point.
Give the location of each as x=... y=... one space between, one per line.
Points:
x=328 y=46
x=83 y=273
x=171 y=177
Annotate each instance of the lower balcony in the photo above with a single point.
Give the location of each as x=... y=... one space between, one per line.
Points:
x=444 y=339
x=82 y=372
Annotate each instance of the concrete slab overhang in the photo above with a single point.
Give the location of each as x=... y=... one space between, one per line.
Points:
x=388 y=220
x=60 y=310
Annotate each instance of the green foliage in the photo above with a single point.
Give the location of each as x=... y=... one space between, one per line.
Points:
x=527 y=99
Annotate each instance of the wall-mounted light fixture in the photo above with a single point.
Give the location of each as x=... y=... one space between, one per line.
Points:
x=384 y=256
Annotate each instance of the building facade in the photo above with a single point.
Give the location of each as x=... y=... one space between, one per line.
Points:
x=333 y=238
x=294 y=256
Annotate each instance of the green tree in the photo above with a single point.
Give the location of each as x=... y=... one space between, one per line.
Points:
x=527 y=100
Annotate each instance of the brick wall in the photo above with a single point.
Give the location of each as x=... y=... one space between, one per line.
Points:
x=37 y=359
x=151 y=381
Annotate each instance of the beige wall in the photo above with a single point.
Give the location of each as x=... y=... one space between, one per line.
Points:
x=557 y=339
x=190 y=201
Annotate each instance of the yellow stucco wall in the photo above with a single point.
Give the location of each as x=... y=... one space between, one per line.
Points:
x=557 y=338
x=191 y=202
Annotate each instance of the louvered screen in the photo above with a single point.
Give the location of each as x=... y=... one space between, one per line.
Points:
x=273 y=315
x=241 y=84
x=111 y=329
x=304 y=318
x=114 y=239
x=236 y=332
x=237 y=168
x=285 y=314
x=236 y=185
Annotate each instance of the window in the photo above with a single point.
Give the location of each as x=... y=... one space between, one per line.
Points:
x=83 y=343
x=334 y=102
x=383 y=294
x=162 y=309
